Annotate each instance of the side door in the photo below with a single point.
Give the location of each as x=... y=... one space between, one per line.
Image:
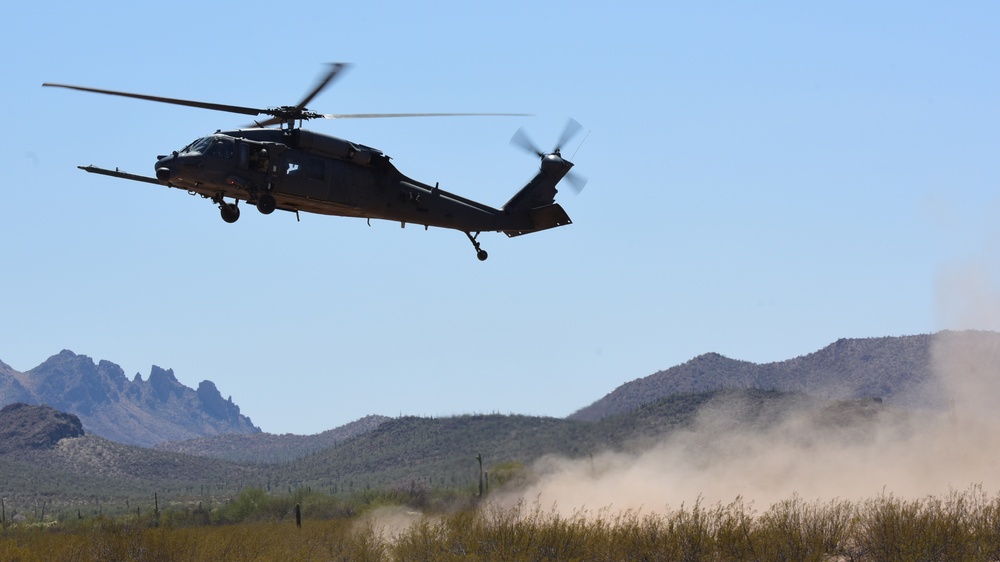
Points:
x=253 y=161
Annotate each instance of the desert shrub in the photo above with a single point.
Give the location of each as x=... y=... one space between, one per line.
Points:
x=733 y=532
x=251 y=505
x=984 y=523
x=796 y=530
x=890 y=529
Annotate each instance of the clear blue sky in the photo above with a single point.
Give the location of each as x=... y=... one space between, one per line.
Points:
x=763 y=180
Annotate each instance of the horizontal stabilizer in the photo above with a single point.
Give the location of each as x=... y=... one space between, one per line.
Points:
x=543 y=218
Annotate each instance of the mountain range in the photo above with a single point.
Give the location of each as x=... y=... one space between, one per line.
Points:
x=160 y=411
x=133 y=412
x=851 y=383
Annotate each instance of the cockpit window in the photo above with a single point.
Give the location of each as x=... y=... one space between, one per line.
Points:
x=221 y=148
x=198 y=146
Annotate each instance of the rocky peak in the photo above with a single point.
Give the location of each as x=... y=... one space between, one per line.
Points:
x=213 y=403
x=135 y=412
x=164 y=384
x=71 y=382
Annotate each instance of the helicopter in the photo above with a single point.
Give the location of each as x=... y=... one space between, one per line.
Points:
x=292 y=169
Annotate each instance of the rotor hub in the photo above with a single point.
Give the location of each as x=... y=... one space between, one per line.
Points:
x=554 y=163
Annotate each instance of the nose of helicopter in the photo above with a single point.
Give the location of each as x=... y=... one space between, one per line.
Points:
x=163 y=168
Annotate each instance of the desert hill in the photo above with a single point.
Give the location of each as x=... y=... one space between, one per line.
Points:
x=441 y=452
x=23 y=427
x=894 y=369
x=91 y=471
x=405 y=451
x=135 y=412
x=45 y=455
x=409 y=453
x=268 y=447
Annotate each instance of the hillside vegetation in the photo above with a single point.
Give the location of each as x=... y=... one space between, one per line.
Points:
x=441 y=452
x=401 y=453
x=269 y=448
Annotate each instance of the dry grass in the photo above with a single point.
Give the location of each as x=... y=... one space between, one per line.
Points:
x=965 y=526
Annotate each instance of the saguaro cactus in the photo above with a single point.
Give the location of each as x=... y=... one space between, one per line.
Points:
x=479 y=457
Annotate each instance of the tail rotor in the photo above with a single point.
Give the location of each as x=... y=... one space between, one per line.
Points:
x=572 y=128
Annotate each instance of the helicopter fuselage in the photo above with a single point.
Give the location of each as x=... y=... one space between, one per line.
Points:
x=311 y=172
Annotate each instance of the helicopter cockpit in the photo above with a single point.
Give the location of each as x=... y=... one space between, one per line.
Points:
x=197 y=146
x=215 y=146
x=179 y=165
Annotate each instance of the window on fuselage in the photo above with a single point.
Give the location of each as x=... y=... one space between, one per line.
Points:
x=244 y=162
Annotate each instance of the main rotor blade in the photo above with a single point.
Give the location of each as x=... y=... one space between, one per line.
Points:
x=385 y=115
x=274 y=120
x=335 y=69
x=189 y=103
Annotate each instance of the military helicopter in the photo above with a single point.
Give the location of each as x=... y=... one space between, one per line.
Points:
x=292 y=169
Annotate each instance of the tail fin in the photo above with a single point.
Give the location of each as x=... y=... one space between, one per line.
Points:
x=536 y=200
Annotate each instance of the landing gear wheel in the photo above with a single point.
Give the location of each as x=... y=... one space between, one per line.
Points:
x=266 y=203
x=230 y=213
x=480 y=253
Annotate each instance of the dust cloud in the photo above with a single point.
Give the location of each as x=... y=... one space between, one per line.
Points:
x=388 y=522
x=809 y=452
